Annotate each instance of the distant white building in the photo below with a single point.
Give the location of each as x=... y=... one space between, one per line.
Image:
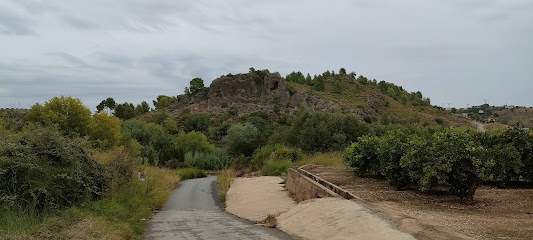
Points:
x=509 y=106
x=481 y=112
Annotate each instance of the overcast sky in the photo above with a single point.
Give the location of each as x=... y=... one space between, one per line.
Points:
x=453 y=51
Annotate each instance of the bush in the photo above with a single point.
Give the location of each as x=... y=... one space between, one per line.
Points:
x=277 y=152
x=41 y=169
x=197 y=122
x=104 y=130
x=190 y=173
x=216 y=160
x=276 y=168
x=243 y=139
x=323 y=132
x=362 y=155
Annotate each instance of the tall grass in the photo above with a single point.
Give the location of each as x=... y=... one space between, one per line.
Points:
x=190 y=173
x=276 y=168
x=327 y=159
x=224 y=179
x=216 y=160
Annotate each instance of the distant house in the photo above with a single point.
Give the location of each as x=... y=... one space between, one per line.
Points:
x=481 y=112
x=509 y=106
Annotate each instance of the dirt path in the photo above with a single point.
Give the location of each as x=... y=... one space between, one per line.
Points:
x=480 y=126
x=255 y=198
x=327 y=218
x=193 y=212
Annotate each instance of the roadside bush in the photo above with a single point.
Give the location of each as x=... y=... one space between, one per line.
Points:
x=190 y=173
x=41 y=169
x=276 y=152
x=276 y=168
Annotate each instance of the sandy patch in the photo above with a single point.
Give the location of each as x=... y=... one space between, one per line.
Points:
x=336 y=218
x=255 y=198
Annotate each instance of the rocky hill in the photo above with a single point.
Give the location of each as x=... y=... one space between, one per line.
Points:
x=261 y=91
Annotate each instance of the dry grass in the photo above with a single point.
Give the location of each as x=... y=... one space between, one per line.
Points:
x=270 y=221
x=224 y=179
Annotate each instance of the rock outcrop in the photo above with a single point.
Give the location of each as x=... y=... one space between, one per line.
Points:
x=249 y=93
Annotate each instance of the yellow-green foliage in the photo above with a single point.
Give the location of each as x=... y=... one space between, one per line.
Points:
x=105 y=130
x=276 y=167
x=224 y=179
x=190 y=173
x=67 y=112
x=327 y=159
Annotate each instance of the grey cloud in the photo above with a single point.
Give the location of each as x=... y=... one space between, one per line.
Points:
x=11 y=24
x=79 y=23
x=70 y=59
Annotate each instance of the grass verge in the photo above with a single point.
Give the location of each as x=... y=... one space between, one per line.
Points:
x=224 y=179
x=121 y=215
x=326 y=159
x=190 y=173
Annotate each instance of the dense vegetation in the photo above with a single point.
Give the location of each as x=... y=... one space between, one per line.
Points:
x=460 y=158
x=60 y=166
x=60 y=160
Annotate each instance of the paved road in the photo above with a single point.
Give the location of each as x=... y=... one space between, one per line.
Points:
x=193 y=211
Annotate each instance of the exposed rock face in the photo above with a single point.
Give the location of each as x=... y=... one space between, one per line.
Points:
x=249 y=93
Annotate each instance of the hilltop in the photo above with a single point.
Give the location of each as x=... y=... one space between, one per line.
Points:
x=262 y=91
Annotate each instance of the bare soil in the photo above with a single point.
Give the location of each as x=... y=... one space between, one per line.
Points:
x=495 y=214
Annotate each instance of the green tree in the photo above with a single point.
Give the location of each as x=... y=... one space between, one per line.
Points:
x=67 y=113
x=337 y=87
x=105 y=130
x=342 y=72
x=142 y=108
x=163 y=101
x=196 y=122
x=243 y=139
x=125 y=111
x=196 y=85
x=448 y=156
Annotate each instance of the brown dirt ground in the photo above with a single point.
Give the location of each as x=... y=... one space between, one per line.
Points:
x=495 y=214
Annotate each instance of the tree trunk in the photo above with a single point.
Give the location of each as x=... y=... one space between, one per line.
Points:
x=474 y=184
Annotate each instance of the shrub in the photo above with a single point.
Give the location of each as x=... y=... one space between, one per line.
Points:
x=448 y=156
x=362 y=156
x=277 y=152
x=233 y=111
x=190 y=173
x=243 y=139
x=41 y=169
x=67 y=113
x=216 y=160
x=105 y=130
x=276 y=168
x=197 y=122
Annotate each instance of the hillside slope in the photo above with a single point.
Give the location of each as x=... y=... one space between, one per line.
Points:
x=262 y=91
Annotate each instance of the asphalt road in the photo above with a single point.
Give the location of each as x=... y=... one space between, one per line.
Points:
x=193 y=211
